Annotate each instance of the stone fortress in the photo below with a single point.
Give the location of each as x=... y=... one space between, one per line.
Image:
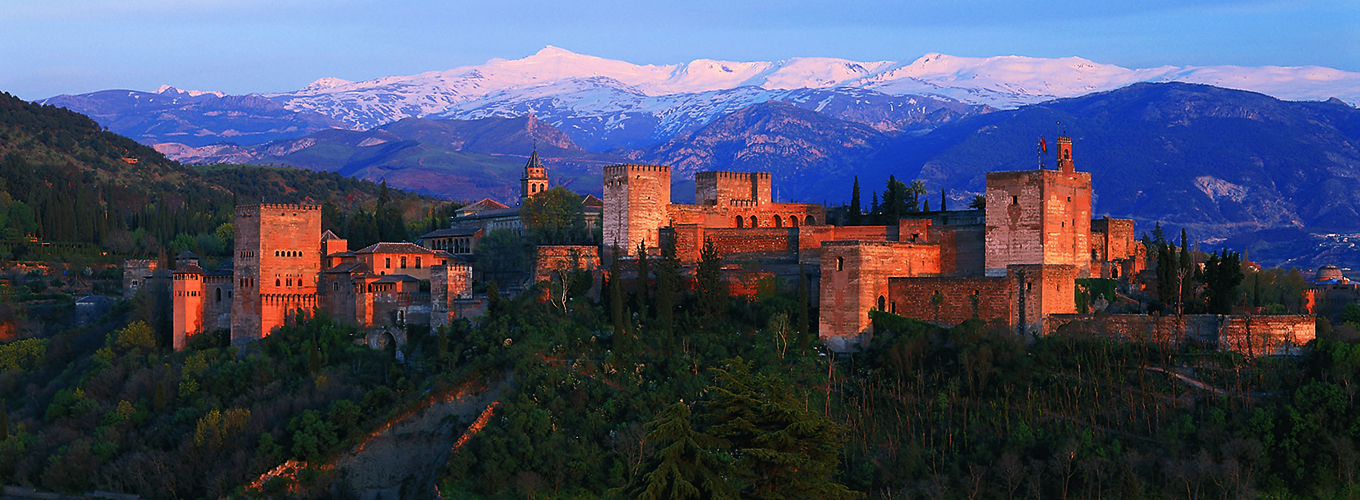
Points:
x=1013 y=264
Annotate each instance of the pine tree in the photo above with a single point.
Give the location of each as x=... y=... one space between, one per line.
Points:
x=875 y=214
x=856 y=210
x=783 y=449
x=943 y=200
x=684 y=466
x=1186 y=268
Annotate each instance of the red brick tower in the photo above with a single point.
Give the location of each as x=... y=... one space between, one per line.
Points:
x=1039 y=217
x=636 y=200
x=278 y=258
x=187 y=297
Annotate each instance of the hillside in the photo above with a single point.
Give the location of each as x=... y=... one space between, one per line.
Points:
x=65 y=179
x=455 y=159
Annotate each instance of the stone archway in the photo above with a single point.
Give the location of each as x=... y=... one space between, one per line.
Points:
x=387 y=337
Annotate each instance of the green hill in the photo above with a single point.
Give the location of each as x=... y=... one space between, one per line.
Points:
x=65 y=179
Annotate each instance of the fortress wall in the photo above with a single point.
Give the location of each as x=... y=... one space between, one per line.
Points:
x=989 y=299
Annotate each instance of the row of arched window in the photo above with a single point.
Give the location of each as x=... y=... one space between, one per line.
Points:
x=777 y=220
x=287 y=282
x=287 y=253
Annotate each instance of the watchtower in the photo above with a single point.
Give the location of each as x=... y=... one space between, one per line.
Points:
x=636 y=198
x=1039 y=217
x=278 y=258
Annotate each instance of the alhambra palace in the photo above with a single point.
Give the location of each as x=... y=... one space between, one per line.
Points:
x=1013 y=264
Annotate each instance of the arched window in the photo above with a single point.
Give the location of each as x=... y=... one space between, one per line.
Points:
x=277 y=282
x=882 y=303
x=219 y=294
x=753 y=221
x=740 y=222
x=809 y=221
x=290 y=281
x=793 y=221
x=778 y=222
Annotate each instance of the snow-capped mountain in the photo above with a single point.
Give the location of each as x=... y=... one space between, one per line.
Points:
x=604 y=104
x=594 y=86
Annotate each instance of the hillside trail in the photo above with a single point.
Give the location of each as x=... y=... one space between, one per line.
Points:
x=409 y=452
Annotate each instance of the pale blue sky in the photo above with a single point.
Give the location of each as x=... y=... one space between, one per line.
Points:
x=53 y=47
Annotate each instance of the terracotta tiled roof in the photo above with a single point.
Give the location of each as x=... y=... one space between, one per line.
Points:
x=403 y=247
x=189 y=269
x=328 y=235
x=457 y=231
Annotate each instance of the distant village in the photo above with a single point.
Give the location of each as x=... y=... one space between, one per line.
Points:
x=1017 y=262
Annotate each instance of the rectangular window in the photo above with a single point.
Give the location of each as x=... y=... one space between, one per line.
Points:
x=417 y=262
x=387 y=262
x=403 y=262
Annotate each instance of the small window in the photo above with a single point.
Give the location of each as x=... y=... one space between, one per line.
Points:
x=882 y=306
x=1069 y=198
x=840 y=263
x=403 y=262
x=1015 y=200
x=417 y=262
x=387 y=262
x=219 y=294
x=277 y=282
x=290 y=282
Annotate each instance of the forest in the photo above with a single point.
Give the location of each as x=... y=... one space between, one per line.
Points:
x=669 y=387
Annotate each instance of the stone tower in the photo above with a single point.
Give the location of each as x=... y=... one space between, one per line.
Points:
x=722 y=188
x=1039 y=217
x=278 y=258
x=636 y=198
x=187 y=297
x=535 y=178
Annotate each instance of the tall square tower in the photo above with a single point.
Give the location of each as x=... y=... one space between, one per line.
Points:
x=636 y=200
x=277 y=261
x=1039 y=217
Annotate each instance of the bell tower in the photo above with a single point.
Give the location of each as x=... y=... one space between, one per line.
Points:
x=535 y=178
x=1065 y=155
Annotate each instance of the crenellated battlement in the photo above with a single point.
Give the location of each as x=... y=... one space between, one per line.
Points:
x=626 y=168
x=254 y=210
x=725 y=175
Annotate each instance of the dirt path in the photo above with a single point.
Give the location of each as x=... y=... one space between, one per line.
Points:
x=410 y=452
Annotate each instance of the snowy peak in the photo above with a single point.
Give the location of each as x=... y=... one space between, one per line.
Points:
x=166 y=89
x=323 y=84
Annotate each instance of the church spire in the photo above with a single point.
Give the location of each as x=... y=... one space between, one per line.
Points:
x=535 y=178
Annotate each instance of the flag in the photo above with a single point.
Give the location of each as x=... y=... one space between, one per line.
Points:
x=1043 y=145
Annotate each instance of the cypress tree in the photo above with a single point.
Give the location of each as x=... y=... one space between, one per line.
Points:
x=616 y=302
x=712 y=292
x=856 y=211
x=1187 y=288
x=943 y=202
x=643 y=280
x=804 y=333
x=667 y=278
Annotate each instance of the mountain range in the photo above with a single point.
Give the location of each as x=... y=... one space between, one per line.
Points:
x=1224 y=163
x=603 y=104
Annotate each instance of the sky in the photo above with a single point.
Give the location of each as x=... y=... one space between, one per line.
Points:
x=247 y=46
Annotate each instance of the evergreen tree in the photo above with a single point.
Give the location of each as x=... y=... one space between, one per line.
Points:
x=1222 y=276
x=683 y=467
x=667 y=280
x=1166 y=275
x=621 y=342
x=1186 y=268
x=856 y=210
x=708 y=278
x=804 y=311
x=4 y=421
x=943 y=201
x=783 y=449
x=875 y=212
x=644 y=281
